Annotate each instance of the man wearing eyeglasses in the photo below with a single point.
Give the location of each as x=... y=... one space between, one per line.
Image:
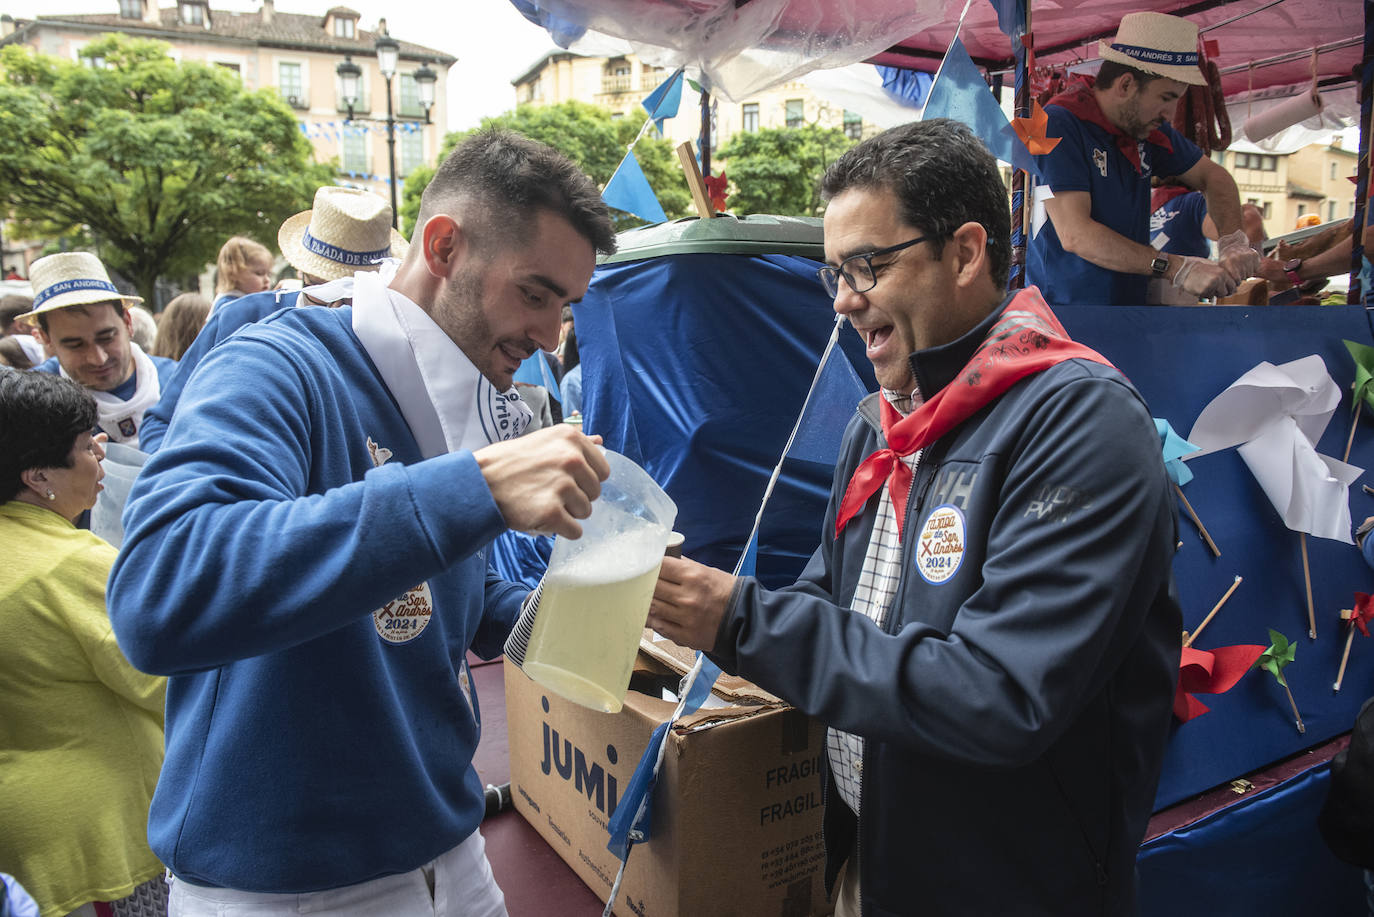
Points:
x=988 y=627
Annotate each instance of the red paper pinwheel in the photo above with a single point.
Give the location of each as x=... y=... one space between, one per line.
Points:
x=716 y=189
x=1032 y=131
x=1210 y=672
x=1359 y=617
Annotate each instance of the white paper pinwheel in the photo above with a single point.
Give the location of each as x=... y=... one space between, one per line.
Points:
x=1275 y=415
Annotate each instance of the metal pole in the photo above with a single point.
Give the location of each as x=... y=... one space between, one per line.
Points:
x=391 y=154
x=1021 y=102
x=704 y=140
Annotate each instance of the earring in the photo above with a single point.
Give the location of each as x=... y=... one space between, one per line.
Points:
x=51 y=495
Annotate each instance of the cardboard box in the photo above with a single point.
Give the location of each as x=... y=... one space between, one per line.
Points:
x=737 y=809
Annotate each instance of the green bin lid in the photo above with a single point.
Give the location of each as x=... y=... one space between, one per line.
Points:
x=755 y=234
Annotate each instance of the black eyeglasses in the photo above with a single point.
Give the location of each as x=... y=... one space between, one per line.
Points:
x=857 y=270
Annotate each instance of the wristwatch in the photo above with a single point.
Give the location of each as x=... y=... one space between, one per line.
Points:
x=1159 y=265
x=1291 y=269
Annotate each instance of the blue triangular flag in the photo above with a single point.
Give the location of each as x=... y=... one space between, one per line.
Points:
x=1174 y=448
x=536 y=371
x=634 y=810
x=664 y=101
x=629 y=190
x=829 y=408
x=961 y=94
x=748 y=564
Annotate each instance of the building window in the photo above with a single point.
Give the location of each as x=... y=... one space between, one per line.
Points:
x=192 y=13
x=290 y=86
x=232 y=68
x=1333 y=171
x=853 y=125
x=1330 y=211
x=1302 y=208
x=412 y=150
x=343 y=27
x=1268 y=209
x=131 y=9
x=615 y=76
x=410 y=96
x=354 y=150
x=796 y=111
x=750 y=116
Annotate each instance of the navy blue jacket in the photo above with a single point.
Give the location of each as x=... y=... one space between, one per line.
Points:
x=1016 y=705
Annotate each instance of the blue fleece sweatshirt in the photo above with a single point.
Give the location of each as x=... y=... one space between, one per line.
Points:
x=223 y=322
x=309 y=744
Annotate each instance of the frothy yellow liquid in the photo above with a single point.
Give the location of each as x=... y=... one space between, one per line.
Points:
x=586 y=636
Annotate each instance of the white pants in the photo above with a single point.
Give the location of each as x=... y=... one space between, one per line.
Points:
x=457 y=884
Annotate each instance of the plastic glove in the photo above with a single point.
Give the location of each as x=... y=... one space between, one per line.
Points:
x=1202 y=278
x=1237 y=256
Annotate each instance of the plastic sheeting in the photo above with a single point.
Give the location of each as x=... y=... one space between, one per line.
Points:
x=740 y=49
x=696 y=366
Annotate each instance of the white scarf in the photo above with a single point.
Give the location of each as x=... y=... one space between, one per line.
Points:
x=448 y=405
x=334 y=291
x=120 y=420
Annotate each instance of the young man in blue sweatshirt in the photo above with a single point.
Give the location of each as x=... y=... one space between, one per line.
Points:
x=80 y=315
x=988 y=626
x=305 y=557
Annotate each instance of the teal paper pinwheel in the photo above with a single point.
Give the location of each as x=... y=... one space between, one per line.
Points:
x=1175 y=447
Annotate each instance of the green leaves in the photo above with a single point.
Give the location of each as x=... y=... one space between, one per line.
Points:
x=778 y=170
x=1279 y=655
x=157 y=161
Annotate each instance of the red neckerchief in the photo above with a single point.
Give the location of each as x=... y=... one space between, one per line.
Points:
x=1026 y=339
x=1164 y=194
x=1081 y=102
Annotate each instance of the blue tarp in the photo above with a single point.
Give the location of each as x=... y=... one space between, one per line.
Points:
x=696 y=366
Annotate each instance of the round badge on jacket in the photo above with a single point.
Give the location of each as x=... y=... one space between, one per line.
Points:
x=940 y=549
x=404 y=617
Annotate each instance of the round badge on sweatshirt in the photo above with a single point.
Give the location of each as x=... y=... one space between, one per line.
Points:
x=940 y=549
x=404 y=617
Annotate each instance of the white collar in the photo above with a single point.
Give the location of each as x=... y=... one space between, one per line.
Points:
x=448 y=405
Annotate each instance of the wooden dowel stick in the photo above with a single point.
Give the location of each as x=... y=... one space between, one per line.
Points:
x=1307 y=579
x=1202 y=529
x=1211 y=614
x=1297 y=717
x=1350 y=440
x=1345 y=657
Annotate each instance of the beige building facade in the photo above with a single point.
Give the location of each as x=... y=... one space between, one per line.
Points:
x=621 y=84
x=1313 y=180
x=295 y=54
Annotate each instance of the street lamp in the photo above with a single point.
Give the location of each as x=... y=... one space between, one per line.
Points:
x=388 y=54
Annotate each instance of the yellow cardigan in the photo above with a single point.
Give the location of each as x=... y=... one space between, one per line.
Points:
x=80 y=728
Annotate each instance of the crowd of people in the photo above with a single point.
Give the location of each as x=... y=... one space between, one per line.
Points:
x=264 y=694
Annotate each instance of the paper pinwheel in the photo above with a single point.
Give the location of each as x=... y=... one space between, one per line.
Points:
x=1273 y=660
x=1210 y=672
x=716 y=189
x=1175 y=447
x=1032 y=131
x=1276 y=415
x=1363 y=393
x=1358 y=618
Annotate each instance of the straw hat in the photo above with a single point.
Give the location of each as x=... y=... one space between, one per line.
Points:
x=1156 y=43
x=70 y=279
x=348 y=230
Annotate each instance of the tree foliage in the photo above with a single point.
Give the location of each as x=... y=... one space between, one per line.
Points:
x=158 y=161
x=590 y=137
x=778 y=170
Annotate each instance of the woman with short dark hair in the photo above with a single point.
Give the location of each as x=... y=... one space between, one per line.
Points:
x=80 y=728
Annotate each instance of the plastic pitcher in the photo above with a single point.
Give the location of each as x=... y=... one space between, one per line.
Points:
x=594 y=599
